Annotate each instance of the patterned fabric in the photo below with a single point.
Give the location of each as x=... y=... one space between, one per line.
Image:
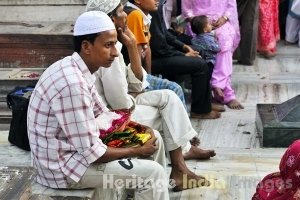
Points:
x=156 y=83
x=283 y=185
x=268 y=26
x=62 y=130
x=105 y=6
x=207 y=44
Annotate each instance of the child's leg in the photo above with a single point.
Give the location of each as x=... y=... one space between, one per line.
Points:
x=229 y=97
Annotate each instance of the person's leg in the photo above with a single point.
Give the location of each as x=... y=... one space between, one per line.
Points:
x=147 y=178
x=248 y=18
x=159 y=155
x=292 y=29
x=181 y=175
x=175 y=120
x=268 y=29
x=157 y=83
x=229 y=97
x=198 y=69
x=177 y=127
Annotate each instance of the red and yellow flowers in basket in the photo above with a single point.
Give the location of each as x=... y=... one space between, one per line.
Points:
x=124 y=133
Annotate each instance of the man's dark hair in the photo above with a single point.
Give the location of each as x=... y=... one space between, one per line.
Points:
x=131 y=1
x=77 y=40
x=198 y=23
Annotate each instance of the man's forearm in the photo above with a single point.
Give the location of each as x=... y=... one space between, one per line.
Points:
x=118 y=153
x=135 y=61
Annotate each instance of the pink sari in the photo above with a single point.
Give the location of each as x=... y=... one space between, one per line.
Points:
x=268 y=26
x=283 y=185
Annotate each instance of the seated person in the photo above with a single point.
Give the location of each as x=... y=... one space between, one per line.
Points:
x=64 y=138
x=285 y=184
x=159 y=108
x=138 y=21
x=172 y=58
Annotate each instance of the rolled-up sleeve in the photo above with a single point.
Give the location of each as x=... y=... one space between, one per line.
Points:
x=94 y=152
x=134 y=84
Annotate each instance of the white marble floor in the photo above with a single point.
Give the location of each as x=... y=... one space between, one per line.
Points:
x=241 y=162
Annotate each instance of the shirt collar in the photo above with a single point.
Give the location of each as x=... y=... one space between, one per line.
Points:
x=146 y=18
x=89 y=78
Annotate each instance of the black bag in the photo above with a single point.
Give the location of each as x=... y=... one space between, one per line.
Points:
x=17 y=101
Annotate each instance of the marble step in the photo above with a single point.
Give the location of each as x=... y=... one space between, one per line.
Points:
x=33 y=46
x=40 y=10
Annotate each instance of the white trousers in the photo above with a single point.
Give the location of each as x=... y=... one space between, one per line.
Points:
x=163 y=110
x=147 y=178
x=292 y=30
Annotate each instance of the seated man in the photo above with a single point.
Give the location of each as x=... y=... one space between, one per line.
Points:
x=171 y=58
x=158 y=108
x=63 y=134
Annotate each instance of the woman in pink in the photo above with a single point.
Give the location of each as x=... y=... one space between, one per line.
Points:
x=283 y=185
x=223 y=15
x=268 y=27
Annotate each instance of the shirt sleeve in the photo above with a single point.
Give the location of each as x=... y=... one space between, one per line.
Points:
x=134 y=84
x=115 y=85
x=74 y=110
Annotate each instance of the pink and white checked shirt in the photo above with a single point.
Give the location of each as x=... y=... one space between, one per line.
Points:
x=62 y=130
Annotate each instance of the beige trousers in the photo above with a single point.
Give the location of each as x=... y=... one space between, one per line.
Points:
x=147 y=178
x=163 y=110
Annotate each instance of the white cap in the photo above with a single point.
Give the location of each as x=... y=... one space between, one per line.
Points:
x=92 y=22
x=102 y=5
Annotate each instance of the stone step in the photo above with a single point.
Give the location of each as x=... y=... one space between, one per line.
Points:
x=33 y=46
x=41 y=10
x=13 y=77
x=10 y=78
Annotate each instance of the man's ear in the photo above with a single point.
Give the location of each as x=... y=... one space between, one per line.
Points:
x=112 y=18
x=86 y=47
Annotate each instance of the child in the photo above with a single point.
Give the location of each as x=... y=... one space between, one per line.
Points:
x=138 y=21
x=205 y=42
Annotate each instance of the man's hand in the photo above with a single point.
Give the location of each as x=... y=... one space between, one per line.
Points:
x=190 y=52
x=126 y=37
x=148 y=148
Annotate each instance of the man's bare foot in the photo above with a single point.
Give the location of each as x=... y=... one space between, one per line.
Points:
x=217 y=107
x=211 y=115
x=195 y=141
x=198 y=154
x=185 y=179
x=234 y=104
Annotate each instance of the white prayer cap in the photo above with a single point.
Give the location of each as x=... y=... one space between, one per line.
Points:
x=102 y=5
x=92 y=22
